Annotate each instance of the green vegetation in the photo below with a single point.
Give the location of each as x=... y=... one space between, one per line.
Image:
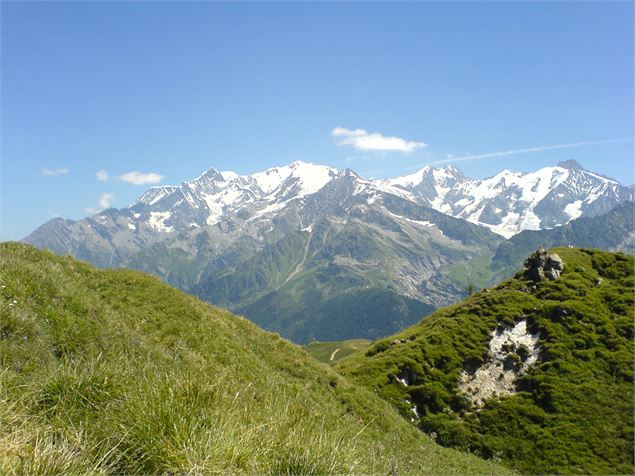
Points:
x=113 y=372
x=331 y=352
x=573 y=410
x=475 y=273
x=329 y=285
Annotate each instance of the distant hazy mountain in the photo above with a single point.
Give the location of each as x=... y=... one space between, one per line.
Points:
x=319 y=253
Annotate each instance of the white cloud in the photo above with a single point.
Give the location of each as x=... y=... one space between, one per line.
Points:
x=364 y=140
x=53 y=172
x=105 y=201
x=102 y=176
x=140 y=178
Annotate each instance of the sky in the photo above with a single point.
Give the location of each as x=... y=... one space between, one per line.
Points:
x=101 y=100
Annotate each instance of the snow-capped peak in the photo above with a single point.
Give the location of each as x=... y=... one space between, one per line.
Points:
x=154 y=194
x=229 y=175
x=310 y=177
x=410 y=180
x=439 y=174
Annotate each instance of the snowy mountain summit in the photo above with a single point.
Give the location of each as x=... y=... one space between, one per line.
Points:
x=507 y=203
x=511 y=202
x=214 y=195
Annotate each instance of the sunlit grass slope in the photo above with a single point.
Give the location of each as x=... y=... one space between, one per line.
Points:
x=332 y=352
x=113 y=372
x=573 y=412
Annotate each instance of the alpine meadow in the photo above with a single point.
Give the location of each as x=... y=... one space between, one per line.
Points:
x=317 y=238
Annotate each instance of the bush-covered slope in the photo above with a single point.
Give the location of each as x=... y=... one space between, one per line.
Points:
x=113 y=372
x=572 y=410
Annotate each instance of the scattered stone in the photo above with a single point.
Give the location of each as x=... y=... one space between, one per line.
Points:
x=541 y=264
x=598 y=281
x=414 y=410
x=406 y=377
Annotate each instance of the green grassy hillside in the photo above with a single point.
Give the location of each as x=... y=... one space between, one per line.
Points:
x=573 y=409
x=331 y=352
x=113 y=372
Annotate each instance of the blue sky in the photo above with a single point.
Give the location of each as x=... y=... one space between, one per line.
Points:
x=175 y=88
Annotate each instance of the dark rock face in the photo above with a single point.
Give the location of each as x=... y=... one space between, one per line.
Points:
x=542 y=264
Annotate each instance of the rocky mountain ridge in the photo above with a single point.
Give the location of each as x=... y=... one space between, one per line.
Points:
x=302 y=249
x=511 y=202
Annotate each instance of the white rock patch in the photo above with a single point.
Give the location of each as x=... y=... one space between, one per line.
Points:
x=497 y=377
x=414 y=410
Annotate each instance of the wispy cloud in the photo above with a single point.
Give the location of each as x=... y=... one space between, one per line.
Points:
x=105 y=201
x=140 y=178
x=361 y=139
x=102 y=176
x=505 y=153
x=53 y=172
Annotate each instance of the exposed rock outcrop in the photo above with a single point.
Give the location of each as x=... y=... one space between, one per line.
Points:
x=542 y=264
x=512 y=351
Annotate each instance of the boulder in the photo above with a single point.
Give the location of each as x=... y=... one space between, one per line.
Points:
x=542 y=264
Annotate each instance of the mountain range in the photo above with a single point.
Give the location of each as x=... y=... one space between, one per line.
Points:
x=315 y=252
